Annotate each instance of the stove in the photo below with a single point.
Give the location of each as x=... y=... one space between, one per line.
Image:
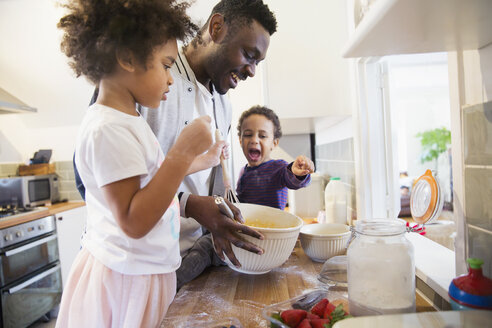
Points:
x=30 y=273
x=25 y=231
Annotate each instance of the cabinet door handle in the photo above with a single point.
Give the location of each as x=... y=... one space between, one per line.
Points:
x=60 y=218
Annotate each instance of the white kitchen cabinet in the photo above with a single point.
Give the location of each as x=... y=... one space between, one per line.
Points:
x=69 y=225
x=306 y=75
x=392 y=27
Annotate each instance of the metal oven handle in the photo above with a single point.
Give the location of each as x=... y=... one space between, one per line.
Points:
x=33 y=279
x=30 y=245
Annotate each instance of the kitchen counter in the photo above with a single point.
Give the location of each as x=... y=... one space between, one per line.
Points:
x=221 y=292
x=44 y=211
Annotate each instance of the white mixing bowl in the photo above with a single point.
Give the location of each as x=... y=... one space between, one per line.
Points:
x=280 y=229
x=321 y=241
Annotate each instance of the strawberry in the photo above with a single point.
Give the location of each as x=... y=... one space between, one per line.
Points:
x=320 y=323
x=293 y=317
x=312 y=316
x=319 y=309
x=305 y=323
x=328 y=310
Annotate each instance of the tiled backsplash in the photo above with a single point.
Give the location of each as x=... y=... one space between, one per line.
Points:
x=336 y=159
x=66 y=177
x=8 y=169
x=68 y=189
x=477 y=147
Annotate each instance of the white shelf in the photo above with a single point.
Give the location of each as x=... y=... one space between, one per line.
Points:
x=392 y=27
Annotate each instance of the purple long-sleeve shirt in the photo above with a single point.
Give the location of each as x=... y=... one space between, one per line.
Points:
x=267 y=183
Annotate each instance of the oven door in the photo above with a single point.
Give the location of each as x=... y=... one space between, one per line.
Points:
x=22 y=259
x=26 y=301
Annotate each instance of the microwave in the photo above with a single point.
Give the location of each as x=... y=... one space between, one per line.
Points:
x=29 y=191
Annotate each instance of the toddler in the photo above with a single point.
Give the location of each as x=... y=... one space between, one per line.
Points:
x=263 y=180
x=124 y=275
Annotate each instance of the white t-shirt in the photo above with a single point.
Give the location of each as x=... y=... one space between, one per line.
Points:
x=112 y=146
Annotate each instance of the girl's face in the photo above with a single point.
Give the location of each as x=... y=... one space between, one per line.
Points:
x=153 y=83
x=257 y=139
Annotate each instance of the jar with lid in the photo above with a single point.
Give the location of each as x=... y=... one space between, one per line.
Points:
x=381 y=269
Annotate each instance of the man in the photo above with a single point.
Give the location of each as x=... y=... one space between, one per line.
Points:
x=227 y=49
x=231 y=43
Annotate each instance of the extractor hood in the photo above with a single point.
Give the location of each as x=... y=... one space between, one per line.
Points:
x=10 y=104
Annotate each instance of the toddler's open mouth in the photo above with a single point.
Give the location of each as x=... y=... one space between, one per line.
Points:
x=254 y=155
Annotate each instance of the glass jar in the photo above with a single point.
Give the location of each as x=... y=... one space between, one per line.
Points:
x=381 y=269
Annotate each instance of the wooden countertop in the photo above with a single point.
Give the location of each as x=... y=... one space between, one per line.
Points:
x=64 y=206
x=45 y=211
x=221 y=292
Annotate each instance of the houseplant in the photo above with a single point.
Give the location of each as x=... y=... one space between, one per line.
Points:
x=434 y=142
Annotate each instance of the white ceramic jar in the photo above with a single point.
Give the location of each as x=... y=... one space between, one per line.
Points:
x=381 y=269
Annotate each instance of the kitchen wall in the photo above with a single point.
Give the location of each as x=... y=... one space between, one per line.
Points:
x=335 y=155
x=475 y=87
x=66 y=178
x=33 y=69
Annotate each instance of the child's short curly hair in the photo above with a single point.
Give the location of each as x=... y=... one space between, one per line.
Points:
x=268 y=113
x=96 y=29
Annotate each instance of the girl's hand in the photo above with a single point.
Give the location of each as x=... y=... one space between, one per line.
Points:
x=218 y=149
x=226 y=151
x=302 y=166
x=195 y=138
x=209 y=159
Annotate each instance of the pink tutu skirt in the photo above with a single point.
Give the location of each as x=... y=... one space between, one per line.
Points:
x=96 y=296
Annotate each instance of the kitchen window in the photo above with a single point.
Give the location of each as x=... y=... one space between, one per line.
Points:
x=400 y=99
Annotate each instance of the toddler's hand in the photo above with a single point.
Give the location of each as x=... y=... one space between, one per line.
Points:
x=196 y=137
x=302 y=166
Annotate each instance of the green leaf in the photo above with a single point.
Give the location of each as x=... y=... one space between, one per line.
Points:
x=434 y=143
x=337 y=315
x=276 y=316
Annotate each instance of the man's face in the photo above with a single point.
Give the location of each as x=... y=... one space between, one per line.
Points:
x=236 y=57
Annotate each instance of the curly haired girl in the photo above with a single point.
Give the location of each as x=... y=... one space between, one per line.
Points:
x=124 y=275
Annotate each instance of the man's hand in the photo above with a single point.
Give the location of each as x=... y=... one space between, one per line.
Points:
x=302 y=166
x=224 y=230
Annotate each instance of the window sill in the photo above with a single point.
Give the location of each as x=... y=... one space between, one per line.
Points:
x=434 y=264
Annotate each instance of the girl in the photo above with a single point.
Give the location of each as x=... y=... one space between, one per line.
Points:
x=124 y=274
x=264 y=180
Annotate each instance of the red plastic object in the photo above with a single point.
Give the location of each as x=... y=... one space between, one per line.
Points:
x=474 y=282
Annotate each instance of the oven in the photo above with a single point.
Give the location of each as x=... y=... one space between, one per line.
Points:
x=30 y=275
